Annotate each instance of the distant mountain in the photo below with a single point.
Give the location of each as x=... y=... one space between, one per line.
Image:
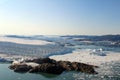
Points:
x=106 y=38
x=96 y=38
x=79 y=36
x=18 y=36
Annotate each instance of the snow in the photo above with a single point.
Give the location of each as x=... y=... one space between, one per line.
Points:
x=24 y=41
x=32 y=64
x=84 y=56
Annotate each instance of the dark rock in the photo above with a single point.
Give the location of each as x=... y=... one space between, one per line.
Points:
x=48 y=68
x=42 y=60
x=66 y=65
x=55 y=67
x=83 y=68
x=20 y=68
x=75 y=66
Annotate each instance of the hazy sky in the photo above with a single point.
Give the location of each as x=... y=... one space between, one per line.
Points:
x=57 y=17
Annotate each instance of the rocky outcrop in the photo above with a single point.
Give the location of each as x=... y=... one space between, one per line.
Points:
x=75 y=66
x=41 y=60
x=20 y=67
x=51 y=66
x=48 y=68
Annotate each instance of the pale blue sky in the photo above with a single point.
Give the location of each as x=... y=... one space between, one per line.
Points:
x=58 y=17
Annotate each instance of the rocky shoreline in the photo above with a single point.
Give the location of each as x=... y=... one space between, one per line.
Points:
x=48 y=65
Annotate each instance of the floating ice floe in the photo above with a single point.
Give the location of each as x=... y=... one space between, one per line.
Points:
x=98 y=52
x=84 y=56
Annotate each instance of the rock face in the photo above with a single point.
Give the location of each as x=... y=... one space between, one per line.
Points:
x=41 y=60
x=51 y=66
x=48 y=68
x=75 y=66
x=20 y=68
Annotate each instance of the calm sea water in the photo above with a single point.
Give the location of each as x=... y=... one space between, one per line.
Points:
x=7 y=74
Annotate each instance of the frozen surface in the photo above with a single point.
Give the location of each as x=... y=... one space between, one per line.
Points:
x=85 y=56
x=32 y=46
x=24 y=41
